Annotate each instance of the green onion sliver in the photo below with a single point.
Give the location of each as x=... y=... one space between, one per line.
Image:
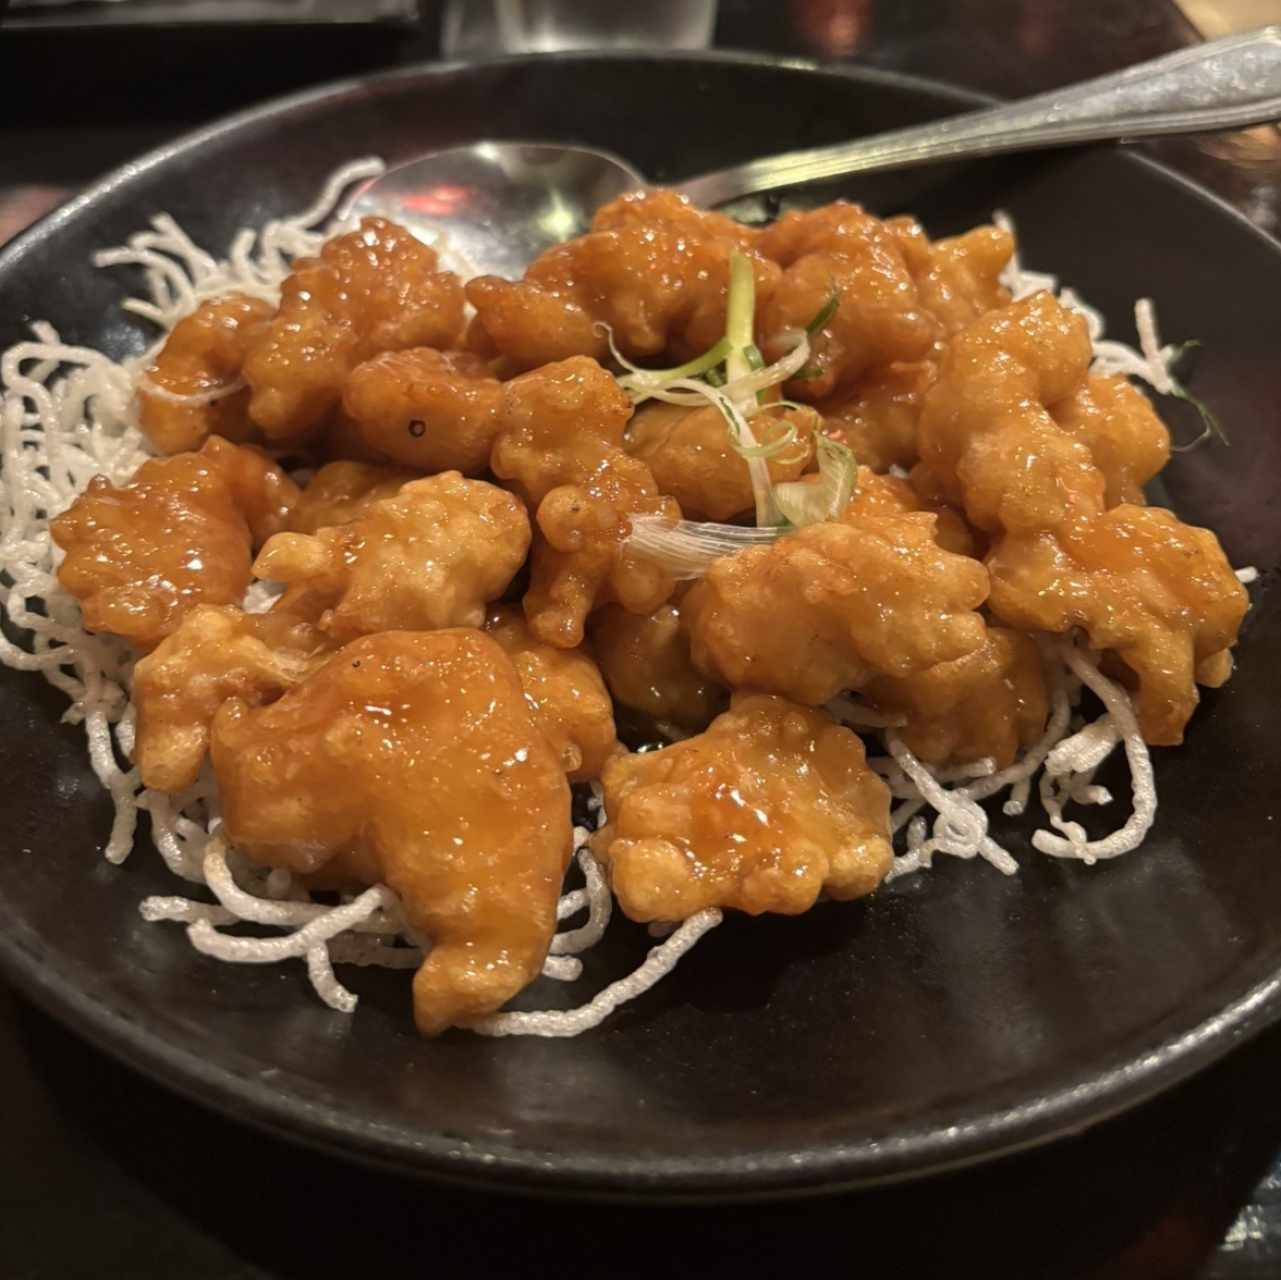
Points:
x=643 y=379
x=803 y=503
x=741 y=438
x=748 y=385
x=825 y=312
x=685 y=548
x=740 y=306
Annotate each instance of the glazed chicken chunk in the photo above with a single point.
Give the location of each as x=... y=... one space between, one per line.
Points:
x=565 y=692
x=646 y=662
x=828 y=607
x=374 y=289
x=958 y=278
x=892 y=495
x=558 y=425
x=1117 y=423
x=653 y=269
x=560 y=446
x=986 y=433
x=988 y=704
x=840 y=253
x=414 y=759
x=689 y=454
x=878 y=416
x=217 y=653
x=434 y=555
x=426 y=409
x=180 y=533
x=771 y=806
x=341 y=492
x=1159 y=593
x=203 y=356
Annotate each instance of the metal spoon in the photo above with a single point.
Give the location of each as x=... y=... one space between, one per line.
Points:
x=501 y=204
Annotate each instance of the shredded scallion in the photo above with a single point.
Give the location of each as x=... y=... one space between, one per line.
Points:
x=805 y=502
x=825 y=312
x=1211 y=427
x=685 y=548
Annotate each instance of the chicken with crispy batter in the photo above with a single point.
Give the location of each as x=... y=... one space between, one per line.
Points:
x=653 y=269
x=560 y=447
x=180 y=533
x=771 y=806
x=987 y=705
x=844 y=272
x=426 y=409
x=646 y=662
x=374 y=289
x=217 y=652
x=565 y=691
x=341 y=492
x=832 y=605
x=1157 y=592
x=193 y=389
x=413 y=759
x=690 y=455
x=434 y=555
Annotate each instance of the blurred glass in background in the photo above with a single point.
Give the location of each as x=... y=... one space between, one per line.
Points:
x=484 y=28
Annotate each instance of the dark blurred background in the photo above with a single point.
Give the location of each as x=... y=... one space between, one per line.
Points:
x=104 y=1174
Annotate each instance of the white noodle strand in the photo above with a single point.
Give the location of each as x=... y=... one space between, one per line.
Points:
x=572 y=1022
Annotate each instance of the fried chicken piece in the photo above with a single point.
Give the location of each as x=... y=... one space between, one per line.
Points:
x=560 y=448
x=1141 y=583
x=828 y=607
x=374 y=289
x=878 y=416
x=180 y=533
x=344 y=491
x=340 y=440
x=432 y=556
x=1157 y=592
x=646 y=663
x=839 y=249
x=1119 y=426
x=655 y=270
x=415 y=757
x=645 y=208
x=427 y=409
x=557 y=424
x=958 y=278
x=216 y=653
x=768 y=808
x=892 y=495
x=691 y=458
x=565 y=691
x=985 y=432
x=579 y=559
x=204 y=353
x=989 y=703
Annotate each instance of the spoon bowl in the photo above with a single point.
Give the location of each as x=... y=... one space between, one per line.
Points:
x=495 y=206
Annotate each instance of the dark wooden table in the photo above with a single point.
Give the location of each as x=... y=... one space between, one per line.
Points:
x=105 y=1174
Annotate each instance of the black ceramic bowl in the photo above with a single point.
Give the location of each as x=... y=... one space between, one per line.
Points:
x=948 y=1018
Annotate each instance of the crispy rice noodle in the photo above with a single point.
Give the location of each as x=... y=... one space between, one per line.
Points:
x=67 y=413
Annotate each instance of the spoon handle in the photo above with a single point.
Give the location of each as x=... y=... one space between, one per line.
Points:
x=1225 y=84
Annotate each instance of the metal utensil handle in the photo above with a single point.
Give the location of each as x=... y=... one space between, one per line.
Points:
x=1225 y=84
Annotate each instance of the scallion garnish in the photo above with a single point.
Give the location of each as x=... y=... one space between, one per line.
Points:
x=825 y=312
x=1210 y=425
x=805 y=502
x=732 y=376
x=685 y=548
